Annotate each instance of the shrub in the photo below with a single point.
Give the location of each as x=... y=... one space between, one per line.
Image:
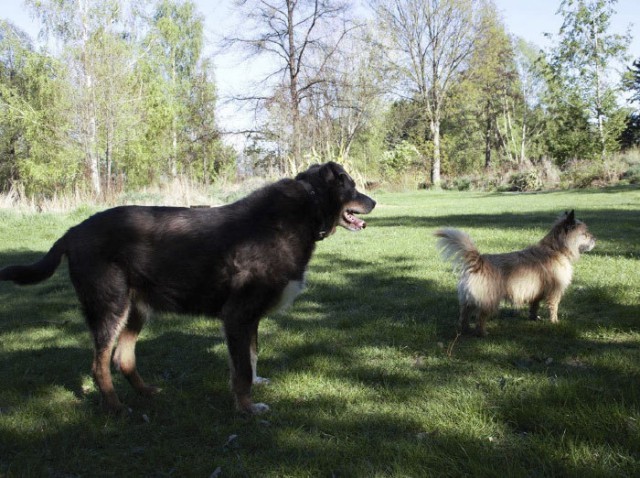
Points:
x=632 y=175
x=399 y=160
x=526 y=180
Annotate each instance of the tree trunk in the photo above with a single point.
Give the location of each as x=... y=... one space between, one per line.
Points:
x=90 y=140
x=523 y=137
x=523 y=144
x=487 y=143
x=434 y=125
x=293 y=87
x=109 y=159
x=174 y=127
x=174 y=149
x=603 y=143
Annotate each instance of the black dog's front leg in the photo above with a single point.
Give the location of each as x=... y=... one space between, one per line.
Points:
x=239 y=341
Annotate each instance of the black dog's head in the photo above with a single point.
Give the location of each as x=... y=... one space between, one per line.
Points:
x=338 y=199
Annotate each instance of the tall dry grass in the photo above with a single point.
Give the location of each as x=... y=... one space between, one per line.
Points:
x=177 y=192
x=619 y=168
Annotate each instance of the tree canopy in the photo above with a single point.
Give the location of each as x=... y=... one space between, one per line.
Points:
x=128 y=96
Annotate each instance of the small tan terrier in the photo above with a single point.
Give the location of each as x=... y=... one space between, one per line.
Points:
x=540 y=272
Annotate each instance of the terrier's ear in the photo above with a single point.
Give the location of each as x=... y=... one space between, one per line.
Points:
x=568 y=219
x=571 y=217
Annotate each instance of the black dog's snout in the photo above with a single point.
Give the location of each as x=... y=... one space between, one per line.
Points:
x=367 y=202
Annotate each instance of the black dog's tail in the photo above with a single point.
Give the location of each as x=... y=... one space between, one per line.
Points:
x=38 y=271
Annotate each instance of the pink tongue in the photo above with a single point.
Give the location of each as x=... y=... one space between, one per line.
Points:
x=359 y=223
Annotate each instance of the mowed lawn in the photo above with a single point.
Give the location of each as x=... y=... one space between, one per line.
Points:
x=368 y=377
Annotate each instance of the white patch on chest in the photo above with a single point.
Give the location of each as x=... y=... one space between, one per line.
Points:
x=289 y=294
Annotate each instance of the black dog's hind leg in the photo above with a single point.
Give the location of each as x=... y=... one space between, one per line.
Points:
x=124 y=357
x=103 y=292
x=105 y=326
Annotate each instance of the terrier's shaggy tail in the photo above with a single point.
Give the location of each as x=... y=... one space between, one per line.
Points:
x=456 y=246
x=38 y=271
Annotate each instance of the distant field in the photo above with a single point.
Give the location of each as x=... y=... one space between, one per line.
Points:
x=367 y=375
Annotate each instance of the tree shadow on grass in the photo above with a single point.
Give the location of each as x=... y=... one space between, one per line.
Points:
x=367 y=324
x=618 y=228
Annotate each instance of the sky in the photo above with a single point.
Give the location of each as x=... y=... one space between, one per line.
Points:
x=528 y=19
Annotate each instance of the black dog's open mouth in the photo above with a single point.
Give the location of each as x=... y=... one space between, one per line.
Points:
x=350 y=221
x=361 y=205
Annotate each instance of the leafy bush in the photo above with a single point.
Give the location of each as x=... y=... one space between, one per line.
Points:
x=462 y=184
x=631 y=159
x=399 y=160
x=582 y=174
x=527 y=180
x=632 y=175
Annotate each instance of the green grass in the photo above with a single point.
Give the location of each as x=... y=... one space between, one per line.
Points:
x=368 y=378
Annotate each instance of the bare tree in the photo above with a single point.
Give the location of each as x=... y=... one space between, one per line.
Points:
x=527 y=56
x=345 y=103
x=299 y=37
x=429 y=43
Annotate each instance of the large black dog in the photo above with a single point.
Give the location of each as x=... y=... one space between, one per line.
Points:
x=236 y=262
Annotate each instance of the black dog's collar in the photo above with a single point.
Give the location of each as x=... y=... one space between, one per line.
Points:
x=324 y=230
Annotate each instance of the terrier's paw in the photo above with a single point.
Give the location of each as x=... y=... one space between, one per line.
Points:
x=480 y=332
x=258 y=408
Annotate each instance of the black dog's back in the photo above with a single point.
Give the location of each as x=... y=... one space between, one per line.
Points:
x=162 y=254
x=185 y=260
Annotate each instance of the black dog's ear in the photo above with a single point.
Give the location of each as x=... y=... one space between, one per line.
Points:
x=326 y=173
x=331 y=171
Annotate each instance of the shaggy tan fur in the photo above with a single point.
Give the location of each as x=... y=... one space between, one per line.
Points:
x=539 y=272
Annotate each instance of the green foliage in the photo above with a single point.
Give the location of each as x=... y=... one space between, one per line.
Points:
x=632 y=175
x=461 y=184
x=584 y=175
x=630 y=136
x=114 y=108
x=569 y=133
x=369 y=145
x=399 y=160
x=492 y=89
x=34 y=101
x=129 y=98
x=578 y=66
x=527 y=180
